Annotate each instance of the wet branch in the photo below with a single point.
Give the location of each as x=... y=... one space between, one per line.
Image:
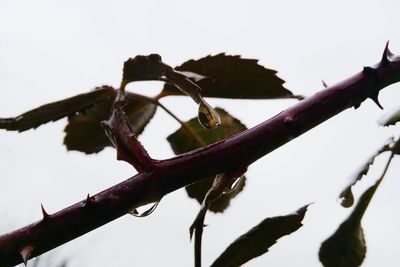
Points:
x=158 y=178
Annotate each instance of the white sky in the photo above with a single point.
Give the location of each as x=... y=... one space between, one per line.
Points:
x=50 y=50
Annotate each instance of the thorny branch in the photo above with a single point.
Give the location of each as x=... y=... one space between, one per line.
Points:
x=164 y=176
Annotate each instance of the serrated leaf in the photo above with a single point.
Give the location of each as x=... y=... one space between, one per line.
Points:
x=232 y=77
x=143 y=68
x=84 y=131
x=181 y=141
x=57 y=110
x=259 y=239
x=347 y=247
x=390 y=118
x=346 y=196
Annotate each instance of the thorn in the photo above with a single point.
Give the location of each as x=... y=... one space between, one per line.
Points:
x=376 y=100
x=387 y=54
x=89 y=201
x=356 y=106
x=26 y=253
x=324 y=84
x=46 y=216
x=369 y=71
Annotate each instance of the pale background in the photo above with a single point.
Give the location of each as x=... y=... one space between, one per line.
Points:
x=50 y=50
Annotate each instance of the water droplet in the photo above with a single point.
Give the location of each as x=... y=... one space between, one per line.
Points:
x=208 y=117
x=347 y=198
x=147 y=212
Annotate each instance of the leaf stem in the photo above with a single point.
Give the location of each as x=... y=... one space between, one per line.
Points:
x=155 y=101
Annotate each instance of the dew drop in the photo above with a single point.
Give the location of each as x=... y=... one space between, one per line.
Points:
x=147 y=212
x=347 y=198
x=208 y=117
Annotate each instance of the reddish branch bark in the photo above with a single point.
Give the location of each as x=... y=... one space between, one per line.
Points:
x=158 y=178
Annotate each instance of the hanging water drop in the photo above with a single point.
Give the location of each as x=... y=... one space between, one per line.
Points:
x=207 y=116
x=136 y=213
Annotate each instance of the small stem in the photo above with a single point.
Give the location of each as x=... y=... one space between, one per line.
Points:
x=363 y=205
x=197 y=246
x=156 y=102
x=385 y=169
x=121 y=92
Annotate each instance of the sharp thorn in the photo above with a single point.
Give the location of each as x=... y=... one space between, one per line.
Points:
x=376 y=100
x=324 y=84
x=356 y=106
x=89 y=201
x=26 y=253
x=46 y=216
x=386 y=56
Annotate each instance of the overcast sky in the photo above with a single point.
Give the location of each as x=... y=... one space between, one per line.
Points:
x=50 y=50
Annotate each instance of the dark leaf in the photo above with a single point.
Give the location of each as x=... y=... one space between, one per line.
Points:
x=346 y=247
x=183 y=141
x=84 y=131
x=232 y=77
x=346 y=196
x=142 y=68
x=390 y=118
x=57 y=110
x=259 y=239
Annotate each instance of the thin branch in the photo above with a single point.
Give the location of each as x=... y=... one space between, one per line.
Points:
x=244 y=148
x=156 y=101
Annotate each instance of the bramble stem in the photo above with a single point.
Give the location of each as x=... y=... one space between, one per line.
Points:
x=244 y=148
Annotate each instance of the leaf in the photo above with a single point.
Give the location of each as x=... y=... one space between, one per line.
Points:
x=84 y=131
x=232 y=77
x=346 y=247
x=182 y=141
x=346 y=196
x=390 y=118
x=144 y=68
x=57 y=110
x=259 y=239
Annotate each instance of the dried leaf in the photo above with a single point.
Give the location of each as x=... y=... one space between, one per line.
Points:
x=259 y=239
x=84 y=131
x=390 y=118
x=346 y=247
x=232 y=77
x=346 y=196
x=183 y=141
x=57 y=110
